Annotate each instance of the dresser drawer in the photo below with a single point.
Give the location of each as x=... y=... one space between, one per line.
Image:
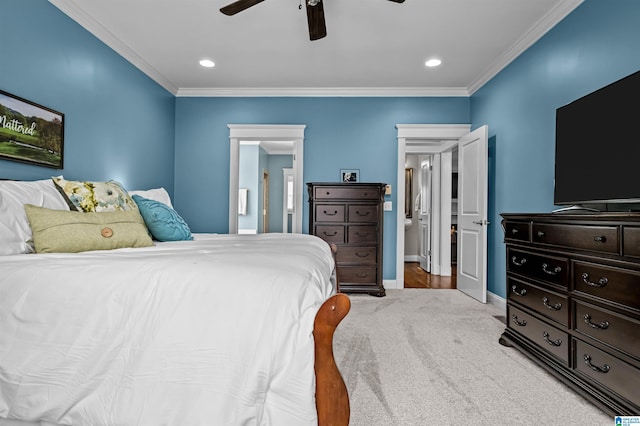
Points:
x=361 y=255
x=539 y=266
x=363 y=213
x=330 y=212
x=607 y=282
x=596 y=238
x=547 y=337
x=357 y=275
x=362 y=234
x=549 y=304
x=516 y=231
x=609 y=327
x=609 y=371
x=330 y=233
x=346 y=192
x=631 y=238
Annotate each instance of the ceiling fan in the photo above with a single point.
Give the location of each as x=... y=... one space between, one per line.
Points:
x=315 y=14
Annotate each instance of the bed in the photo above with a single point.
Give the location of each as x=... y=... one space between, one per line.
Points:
x=207 y=330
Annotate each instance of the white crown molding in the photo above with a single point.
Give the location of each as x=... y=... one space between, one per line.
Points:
x=69 y=8
x=557 y=14
x=324 y=92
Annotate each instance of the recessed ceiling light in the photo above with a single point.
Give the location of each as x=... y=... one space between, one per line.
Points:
x=433 y=62
x=207 y=63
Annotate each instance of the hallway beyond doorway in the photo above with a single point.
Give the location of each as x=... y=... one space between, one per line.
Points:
x=416 y=277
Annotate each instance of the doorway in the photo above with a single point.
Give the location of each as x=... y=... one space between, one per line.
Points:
x=436 y=141
x=266 y=134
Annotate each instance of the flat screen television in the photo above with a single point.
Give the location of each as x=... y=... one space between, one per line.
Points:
x=597 y=158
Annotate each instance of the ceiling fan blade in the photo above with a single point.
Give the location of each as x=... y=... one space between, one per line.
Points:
x=315 y=18
x=239 y=6
x=397 y=1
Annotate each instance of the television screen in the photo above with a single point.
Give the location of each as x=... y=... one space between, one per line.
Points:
x=598 y=146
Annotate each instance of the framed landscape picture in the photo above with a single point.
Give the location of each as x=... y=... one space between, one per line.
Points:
x=30 y=133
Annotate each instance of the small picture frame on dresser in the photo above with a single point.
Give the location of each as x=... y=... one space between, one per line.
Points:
x=349 y=175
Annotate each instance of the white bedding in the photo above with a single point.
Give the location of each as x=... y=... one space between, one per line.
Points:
x=215 y=331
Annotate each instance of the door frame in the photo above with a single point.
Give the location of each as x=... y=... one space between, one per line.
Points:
x=418 y=138
x=264 y=132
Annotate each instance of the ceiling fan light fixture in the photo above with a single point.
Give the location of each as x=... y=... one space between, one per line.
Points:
x=433 y=62
x=207 y=63
x=313 y=2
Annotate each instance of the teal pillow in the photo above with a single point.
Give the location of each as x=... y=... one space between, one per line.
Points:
x=164 y=223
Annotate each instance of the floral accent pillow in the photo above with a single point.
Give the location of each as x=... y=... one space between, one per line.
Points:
x=89 y=197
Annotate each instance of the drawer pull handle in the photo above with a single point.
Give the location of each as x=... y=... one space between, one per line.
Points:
x=335 y=212
x=602 y=326
x=600 y=239
x=330 y=235
x=522 y=292
x=362 y=214
x=604 y=369
x=520 y=323
x=601 y=282
x=514 y=231
x=362 y=275
x=556 y=342
x=361 y=234
x=554 y=271
x=366 y=254
x=517 y=262
x=556 y=307
x=540 y=234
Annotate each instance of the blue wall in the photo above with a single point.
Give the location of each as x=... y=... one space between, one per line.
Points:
x=341 y=133
x=119 y=124
x=595 y=45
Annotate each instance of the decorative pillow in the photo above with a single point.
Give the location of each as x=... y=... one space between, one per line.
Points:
x=157 y=194
x=15 y=233
x=164 y=223
x=56 y=231
x=88 y=197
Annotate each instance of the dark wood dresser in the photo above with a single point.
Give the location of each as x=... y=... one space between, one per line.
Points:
x=350 y=215
x=573 y=301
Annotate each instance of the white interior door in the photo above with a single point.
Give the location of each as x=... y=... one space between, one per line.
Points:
x=424 y=217
x=472 y=214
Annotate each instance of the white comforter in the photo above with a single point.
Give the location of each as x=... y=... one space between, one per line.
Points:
x=206 y=332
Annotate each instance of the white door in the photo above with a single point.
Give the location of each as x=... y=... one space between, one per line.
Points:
x=424 y=217
x=472 y=214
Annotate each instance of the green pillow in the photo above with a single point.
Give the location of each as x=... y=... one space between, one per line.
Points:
x=62 y=231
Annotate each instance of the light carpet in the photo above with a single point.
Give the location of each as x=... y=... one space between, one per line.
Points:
x=432 y=357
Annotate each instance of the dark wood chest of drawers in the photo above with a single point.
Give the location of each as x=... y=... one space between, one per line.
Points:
x=573 y=301
x=350 y=215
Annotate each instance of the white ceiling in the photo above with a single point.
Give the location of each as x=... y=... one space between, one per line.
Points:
x=373 y=47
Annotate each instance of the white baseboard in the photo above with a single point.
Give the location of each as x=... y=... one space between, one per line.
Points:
x=497 y=301
x=411 y=258
x=390 y=284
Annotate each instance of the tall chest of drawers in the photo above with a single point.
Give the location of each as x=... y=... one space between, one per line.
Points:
x=573 y=301
x=350 y=215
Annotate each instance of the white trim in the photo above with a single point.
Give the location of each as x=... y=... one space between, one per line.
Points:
x=535 y=33
x=558 y=13
x=259 y=132
x=432 y=137
x=497 y=301
x=392 y=284
x=323 y=92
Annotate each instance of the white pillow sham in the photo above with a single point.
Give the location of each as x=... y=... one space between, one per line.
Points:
x=15 y=232
x=156 y=194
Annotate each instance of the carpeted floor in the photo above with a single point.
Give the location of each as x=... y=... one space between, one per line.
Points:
x=432 y=357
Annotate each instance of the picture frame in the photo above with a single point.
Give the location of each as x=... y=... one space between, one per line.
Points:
x=30 y=133
x=349 y=175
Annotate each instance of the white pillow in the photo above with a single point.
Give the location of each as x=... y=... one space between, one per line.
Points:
x=15 y=232
x=156 y=194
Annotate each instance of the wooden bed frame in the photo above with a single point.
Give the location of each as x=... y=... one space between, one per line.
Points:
x=332 y=398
